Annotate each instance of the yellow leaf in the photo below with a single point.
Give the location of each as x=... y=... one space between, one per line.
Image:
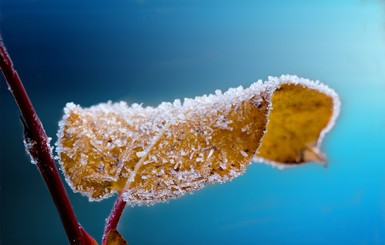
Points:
x=156 y=154
x=296 y=120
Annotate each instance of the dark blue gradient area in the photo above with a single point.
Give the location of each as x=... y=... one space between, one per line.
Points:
x=152 y=51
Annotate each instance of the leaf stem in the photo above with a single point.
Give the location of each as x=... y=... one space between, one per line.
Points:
x=39 y=148
x=114 y=217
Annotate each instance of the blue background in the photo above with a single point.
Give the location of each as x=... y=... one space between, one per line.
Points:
x=151 y=51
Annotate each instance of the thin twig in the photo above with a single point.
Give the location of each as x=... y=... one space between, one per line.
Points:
x=114 y=217
x=39 y=148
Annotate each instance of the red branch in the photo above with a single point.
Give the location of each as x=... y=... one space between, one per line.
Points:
x=39 y=148
x=114 y=217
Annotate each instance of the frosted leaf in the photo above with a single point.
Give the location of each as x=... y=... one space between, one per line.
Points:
x=157 y=154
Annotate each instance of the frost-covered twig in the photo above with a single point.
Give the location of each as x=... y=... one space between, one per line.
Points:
x=37 y=145
x=114 y=217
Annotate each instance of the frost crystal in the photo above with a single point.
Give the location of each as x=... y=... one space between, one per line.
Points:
x=28 y=145
x=141 y=154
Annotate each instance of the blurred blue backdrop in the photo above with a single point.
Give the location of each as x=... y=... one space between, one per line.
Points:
x=151 y=51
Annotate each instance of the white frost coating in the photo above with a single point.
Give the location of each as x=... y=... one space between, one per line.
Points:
x=168 y=114
x=223 y=123
x=83 y=159
x=30 y=144
x=141 y=154
x=243 y=153
x=210 y=154
x=274 y=83
x=28 y=147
